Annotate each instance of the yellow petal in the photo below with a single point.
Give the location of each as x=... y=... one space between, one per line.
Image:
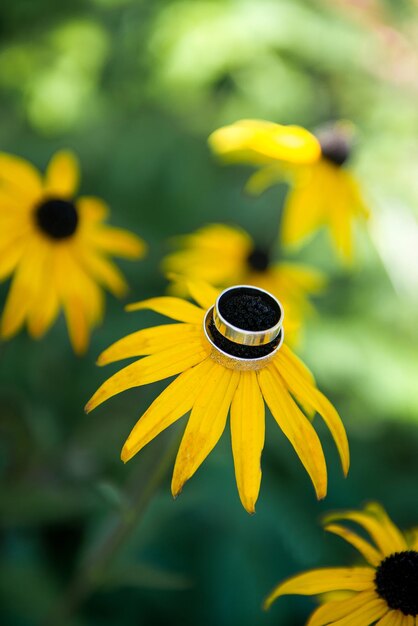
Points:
x=371 y=555
x=80 y=296
x=62 y=175
x=166 y=363
x=204 y=294
x=26 y=282
x=414 y=539
x=247 y=433
x=150 y=341
x=175 y=308
x=10 y=256
x=20 y=177
x=330 y=416
x=206 y=424
x=301 y=388
x=117 y=242
x=408 y=620
x=381 y=530
x=299 y=366
x=44 y=310
x=307 y=279
x=296 y=427
x=217 y=238
x=357 y=202
x=199 y=290
x=340 y=223
x=215 y=267
x=44 y=307
x=332 y=611
x=366 y=615
x=392 y=531
x=264 y=178
x=92 y=210
x=77 y=323
x=393 y=618
x=105 y=272
x=174 y=402
x=258 y=141
x=304 y=210
x=323 y=580
x=215 y=253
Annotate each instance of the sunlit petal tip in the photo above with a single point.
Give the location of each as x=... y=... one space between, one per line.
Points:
x=126 y=453
x=321 y=494
x=271 y=598
x=139 y=247
x=89 y=406
x=80 y=349
x=102 y=360
x=250 y=508
x=176 y=490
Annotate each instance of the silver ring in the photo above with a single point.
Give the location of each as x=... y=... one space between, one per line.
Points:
x=240 y=335
x=235 y=362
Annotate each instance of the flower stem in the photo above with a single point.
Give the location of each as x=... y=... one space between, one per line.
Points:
x=118 y=529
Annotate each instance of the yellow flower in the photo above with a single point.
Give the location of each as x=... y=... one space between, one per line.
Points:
x=224 y=255
x=323 y=191
x=385 y=592
x=218 y=373
x=57 y=248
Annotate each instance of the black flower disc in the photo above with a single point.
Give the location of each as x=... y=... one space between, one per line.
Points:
x=57 y=218
x=335 y=146
x=258 y=260
x=397 y=581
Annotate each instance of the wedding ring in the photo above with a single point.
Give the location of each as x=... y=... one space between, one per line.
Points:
x=241 y=348
x=245 y=336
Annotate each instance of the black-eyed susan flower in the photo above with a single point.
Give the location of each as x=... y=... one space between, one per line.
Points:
x=57 y=248
x=323 y=190
x=228 y=355
x=224 y=255
x=383 y=592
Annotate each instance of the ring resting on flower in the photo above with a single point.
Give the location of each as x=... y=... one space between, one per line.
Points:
x=215 y=375
x=244 y=327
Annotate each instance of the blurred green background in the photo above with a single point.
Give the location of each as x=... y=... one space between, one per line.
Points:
x=135 y=87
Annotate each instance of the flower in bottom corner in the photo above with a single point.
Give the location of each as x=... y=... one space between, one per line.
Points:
x=225 y=255
x=383 y=592
x=229 y=357
x=57 y=249
x=323 y=192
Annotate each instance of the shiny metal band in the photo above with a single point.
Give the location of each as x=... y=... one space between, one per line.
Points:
x=247 y=337
x=234 y=362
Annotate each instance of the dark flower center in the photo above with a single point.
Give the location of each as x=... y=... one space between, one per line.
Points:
x=396 y=581
x=258 y=259
x=249 y=311
x=57 y=218
x=335 y=146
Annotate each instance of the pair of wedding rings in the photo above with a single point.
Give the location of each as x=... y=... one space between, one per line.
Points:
x=257 y=346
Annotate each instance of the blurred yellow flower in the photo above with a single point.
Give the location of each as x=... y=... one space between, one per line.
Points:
x=57 y=248
x=385 y=592
x=224 y=255
x=323 y=191
x=218 y=372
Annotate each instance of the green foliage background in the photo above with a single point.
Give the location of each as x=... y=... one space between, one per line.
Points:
x=135 y=87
